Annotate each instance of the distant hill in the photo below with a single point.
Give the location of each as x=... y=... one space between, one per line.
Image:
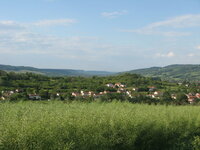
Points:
x=54 y=72
x=172 y=72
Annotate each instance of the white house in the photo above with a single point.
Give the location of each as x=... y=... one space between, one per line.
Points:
x=135 y=89
x=129 y=94
x=2 y=98
x=158 y=93
x=109 y=85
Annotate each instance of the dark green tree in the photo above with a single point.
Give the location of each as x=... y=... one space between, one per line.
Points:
x=181 y=99
x=44 y=94
x=167 y=97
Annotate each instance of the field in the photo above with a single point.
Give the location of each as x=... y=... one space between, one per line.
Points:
x=98 y=126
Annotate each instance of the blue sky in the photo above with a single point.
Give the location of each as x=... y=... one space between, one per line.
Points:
x=111 y=35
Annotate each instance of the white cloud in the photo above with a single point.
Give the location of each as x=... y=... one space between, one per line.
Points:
x=191 y=54
x=10 y=25
x=154 y=32
x=178 y=22
x=78 y=48
x=17 y=37
x=168 y=55
x=113 y=14
x=54 y=22
x=167 y=27
x=198 y=47
x=23 y=40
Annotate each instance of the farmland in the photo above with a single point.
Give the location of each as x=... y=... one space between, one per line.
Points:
x=98 y=125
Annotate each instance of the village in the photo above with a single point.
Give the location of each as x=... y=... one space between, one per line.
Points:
x=131 y=92
x=119 y=88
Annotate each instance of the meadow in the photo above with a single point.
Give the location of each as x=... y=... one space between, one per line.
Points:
x=56 y=125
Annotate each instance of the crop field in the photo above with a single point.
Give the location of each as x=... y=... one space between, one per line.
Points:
x=98 y=126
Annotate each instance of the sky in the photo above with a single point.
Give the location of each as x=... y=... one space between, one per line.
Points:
x=108 y=35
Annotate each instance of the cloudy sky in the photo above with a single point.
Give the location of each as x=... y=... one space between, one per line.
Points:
x=111 y=35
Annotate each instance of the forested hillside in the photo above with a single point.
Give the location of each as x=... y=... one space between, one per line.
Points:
x=172 y=72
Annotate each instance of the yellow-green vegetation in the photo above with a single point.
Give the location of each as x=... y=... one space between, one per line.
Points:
x=98 y=126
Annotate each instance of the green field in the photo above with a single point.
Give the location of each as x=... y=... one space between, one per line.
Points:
x=98 y=126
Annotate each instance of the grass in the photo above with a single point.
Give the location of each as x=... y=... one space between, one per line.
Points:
x=98 y=126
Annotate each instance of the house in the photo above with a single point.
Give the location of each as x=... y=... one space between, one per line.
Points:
x=18 y=90
x=158 y=93
x=197 y=95
x=191 y=99
x=129 y=94
x=75 y=94
x=101 y=93
x=135 y=89
x=110 y=85
x=7 y=93
x=151 y=95
x=83 y=93
x=11 y=92
x=34 y=97
x=118 y=91
x=122 y=89
x=91 y=93
x=106 y=92
x=173 y=96
x=152 y=88
x=120 y=85
x=2 y=98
